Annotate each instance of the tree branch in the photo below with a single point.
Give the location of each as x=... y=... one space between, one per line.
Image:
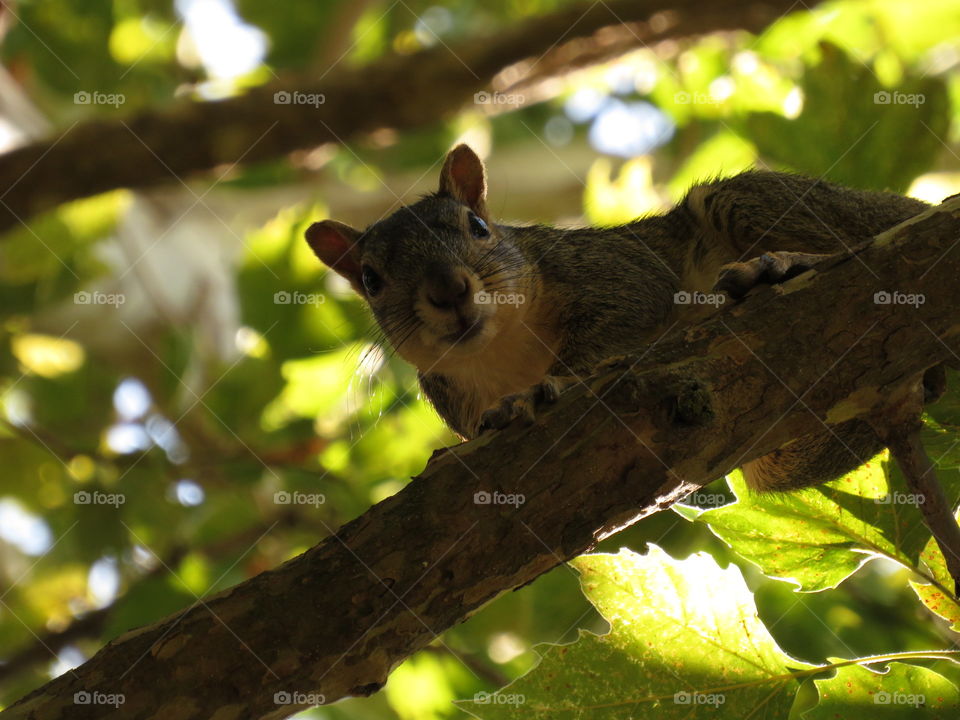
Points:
x=899 y=427
x=627 y=443
x=397 y=91
x=921 y=476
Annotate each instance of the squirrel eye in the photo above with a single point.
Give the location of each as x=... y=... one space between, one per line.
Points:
x=478 y=228
x=372 y=282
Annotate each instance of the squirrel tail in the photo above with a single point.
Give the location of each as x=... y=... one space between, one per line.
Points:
x=814 y=459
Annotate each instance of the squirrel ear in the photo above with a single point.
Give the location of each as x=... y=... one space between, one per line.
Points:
x=336 y=246
x=463 y=177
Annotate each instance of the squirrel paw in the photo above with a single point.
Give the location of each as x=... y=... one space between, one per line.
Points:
x=737 y=279
x=524 y=405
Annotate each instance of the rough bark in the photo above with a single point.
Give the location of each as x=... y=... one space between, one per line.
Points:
x=398 y=91
x=629 y=442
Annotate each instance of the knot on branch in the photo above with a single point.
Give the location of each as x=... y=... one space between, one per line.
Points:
x=693 y=405
x=680 y=400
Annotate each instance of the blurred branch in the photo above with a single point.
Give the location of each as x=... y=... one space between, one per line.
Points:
x=616 y=40
x=399 y=91
x=46 y=645
x=629 y=442
x=299 y=455
x=46 y=441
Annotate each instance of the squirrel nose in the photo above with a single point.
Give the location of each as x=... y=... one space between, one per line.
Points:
x=447 y=289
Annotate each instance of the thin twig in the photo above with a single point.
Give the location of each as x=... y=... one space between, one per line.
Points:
x=921 y=477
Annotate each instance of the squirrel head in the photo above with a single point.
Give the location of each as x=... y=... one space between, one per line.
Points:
x=440 y=277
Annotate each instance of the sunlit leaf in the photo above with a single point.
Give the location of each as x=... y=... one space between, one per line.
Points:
x=901 y=691
x=684 y=638
x=861 y=146
x=817 y=537
x=48 y=356
x=939 y=594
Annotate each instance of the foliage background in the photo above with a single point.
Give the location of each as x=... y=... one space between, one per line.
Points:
x=201 y=395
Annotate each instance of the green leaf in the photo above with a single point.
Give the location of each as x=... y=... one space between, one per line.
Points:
x=946 y=410
x=860 y=146
x=44 y=261
x=293 y=28
x=145 y=602
x=942 y=444
x=817 y=537
x=936 y=594
x=904 y=691
x=722 y=155
x=684 y=638
x=317 y=385
x=422 y=687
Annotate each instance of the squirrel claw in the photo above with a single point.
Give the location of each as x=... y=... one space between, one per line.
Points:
x=737 y=279
x=523 y=405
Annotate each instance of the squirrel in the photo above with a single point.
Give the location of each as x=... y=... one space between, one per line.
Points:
x=499 y=318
